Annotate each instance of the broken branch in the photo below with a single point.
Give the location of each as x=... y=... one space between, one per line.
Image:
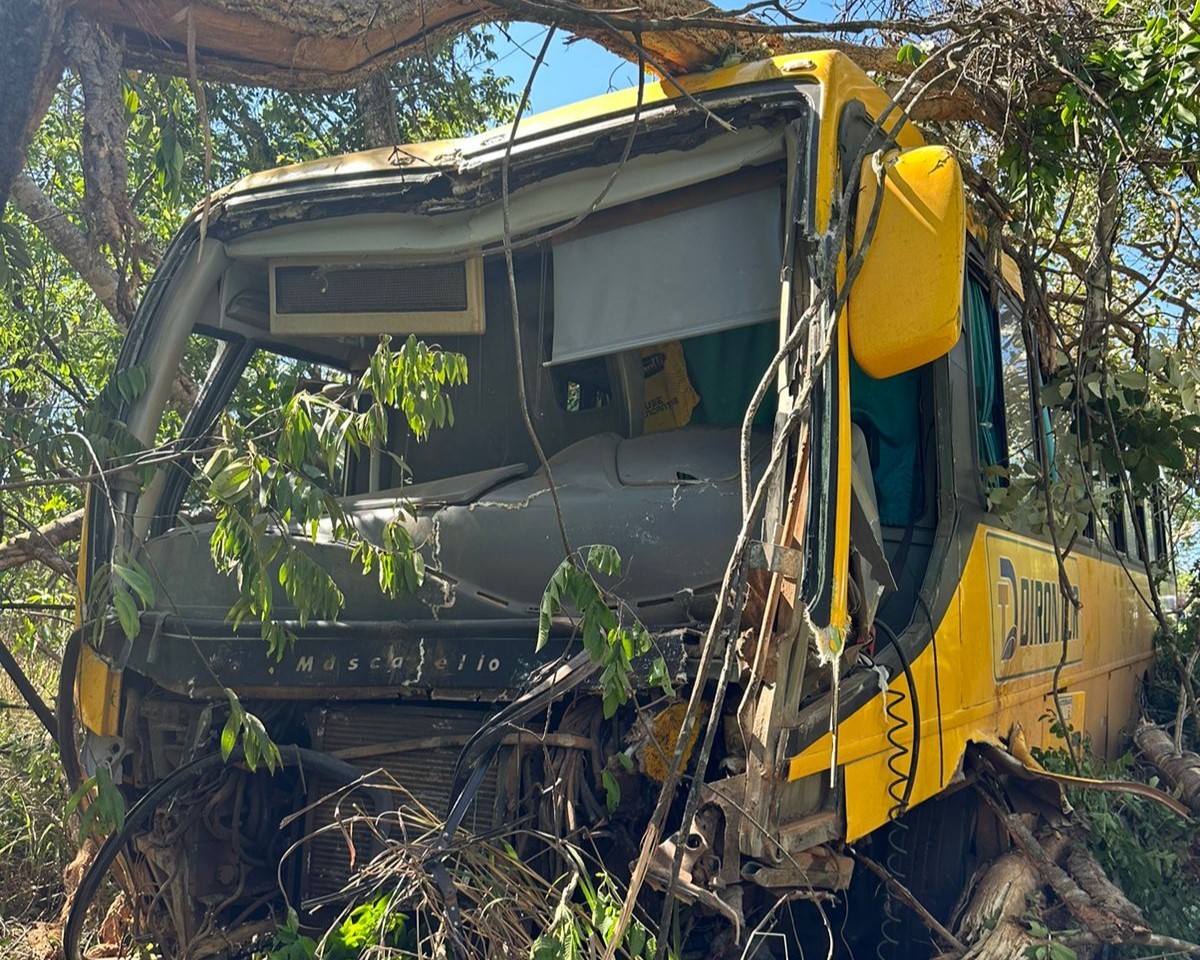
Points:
x=1182 y=769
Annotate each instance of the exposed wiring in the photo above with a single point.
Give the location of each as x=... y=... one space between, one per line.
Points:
x=514 y=307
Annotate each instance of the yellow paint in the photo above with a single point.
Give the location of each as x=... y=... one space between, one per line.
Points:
x=915 y=258
x=98 y=692
x=97 y=686
x=841 y=83
x=982 y=704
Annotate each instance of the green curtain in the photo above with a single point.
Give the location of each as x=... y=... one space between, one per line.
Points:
x=988 y=399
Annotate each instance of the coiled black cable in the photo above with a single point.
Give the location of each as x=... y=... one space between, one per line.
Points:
x=900 y=786
x=141 y=812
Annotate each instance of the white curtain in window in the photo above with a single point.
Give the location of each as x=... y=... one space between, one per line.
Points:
x=700 y=270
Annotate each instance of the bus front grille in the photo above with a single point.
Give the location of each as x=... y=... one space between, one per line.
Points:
x=424 y=745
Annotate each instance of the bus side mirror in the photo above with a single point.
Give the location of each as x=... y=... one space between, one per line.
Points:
x=904 y=306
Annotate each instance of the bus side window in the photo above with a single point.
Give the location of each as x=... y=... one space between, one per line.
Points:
x=1003 y=400
x=1159 y=523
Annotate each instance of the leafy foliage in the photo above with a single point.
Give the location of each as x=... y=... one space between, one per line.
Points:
x=1049 y=948
x=571 y=934
x=1144 y=848
x=365 y=930
x=257 y=745
x=272 y=489
x=104 y=809
x=613 y=638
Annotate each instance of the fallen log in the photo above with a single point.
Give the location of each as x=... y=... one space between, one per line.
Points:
x=306 y=45
x=1087 y=872
x=1182 y=770
x=991 y=925
x=1103 y=924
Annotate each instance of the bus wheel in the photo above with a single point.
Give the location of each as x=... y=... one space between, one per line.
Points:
x=932 y=851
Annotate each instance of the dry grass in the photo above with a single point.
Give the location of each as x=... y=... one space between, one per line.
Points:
x=35 y=843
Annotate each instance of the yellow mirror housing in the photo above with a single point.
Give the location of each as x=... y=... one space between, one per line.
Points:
x=904 y=306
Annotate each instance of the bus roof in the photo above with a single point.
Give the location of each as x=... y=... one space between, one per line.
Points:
x=818 y=66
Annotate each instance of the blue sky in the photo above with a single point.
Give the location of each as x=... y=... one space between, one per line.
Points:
x=573 y=69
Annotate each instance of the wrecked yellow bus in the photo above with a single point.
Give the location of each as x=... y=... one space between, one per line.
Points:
x=767 y=237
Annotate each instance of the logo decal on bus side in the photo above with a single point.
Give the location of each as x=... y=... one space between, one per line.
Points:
x=1028 y=612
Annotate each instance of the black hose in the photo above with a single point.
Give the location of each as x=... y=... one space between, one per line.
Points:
x=916 y=713
x=64 y=710
x=139 y=815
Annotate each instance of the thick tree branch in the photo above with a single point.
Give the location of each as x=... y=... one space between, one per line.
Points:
x=1106 y=926
x=1182 y=769
x=75 y=245
x=96 y=56
x=42 y=544
x=315 y=45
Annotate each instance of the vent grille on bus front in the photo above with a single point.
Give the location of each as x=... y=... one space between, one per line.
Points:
x=340 y=299
x=426 y=773
x=439 y=288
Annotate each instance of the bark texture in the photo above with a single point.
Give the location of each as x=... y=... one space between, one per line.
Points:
x=1105 y=925
x=991 y=923
x=377 y=104
x=42 y=544
x=29 y=69
x=96 y=55
x=1092 y=879
x=1182 y=769
x=335 y=44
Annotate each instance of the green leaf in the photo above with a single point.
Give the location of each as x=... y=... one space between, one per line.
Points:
x=660 y=676
x=229 y=735
x=127 y=613
x=233 y=482
x=138 y=580
x=612 y=791
x=604 y=559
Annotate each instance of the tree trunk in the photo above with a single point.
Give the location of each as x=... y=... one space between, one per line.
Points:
x=1090 y=876
x=29 y=69
x=377 y=107
x=1104 y=925
x=96 y=56
x=1181 y=769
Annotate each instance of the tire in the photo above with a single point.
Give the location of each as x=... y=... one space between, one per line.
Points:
x=931 y=850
